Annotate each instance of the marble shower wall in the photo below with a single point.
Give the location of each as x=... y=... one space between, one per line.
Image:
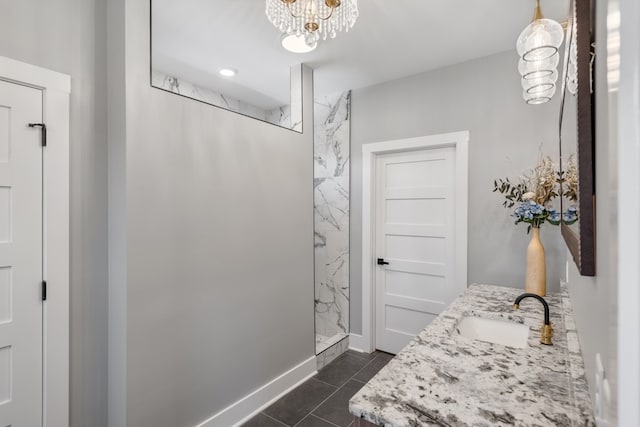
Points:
x=332 y=353
x=331 y=216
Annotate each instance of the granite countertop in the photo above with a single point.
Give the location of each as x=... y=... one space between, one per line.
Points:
x=442 y=379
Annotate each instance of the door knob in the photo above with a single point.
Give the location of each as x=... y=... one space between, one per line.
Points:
x=381 y=261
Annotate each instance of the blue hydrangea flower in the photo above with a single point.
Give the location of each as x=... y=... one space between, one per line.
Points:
x=528 y=209
x=570 y=215
x=553 y=215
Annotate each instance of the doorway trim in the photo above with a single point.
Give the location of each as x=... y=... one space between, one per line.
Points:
x=628 y=190
x=458 y=140
x=56 y=88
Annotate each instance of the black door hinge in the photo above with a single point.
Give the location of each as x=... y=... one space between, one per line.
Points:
x=44 y=290
x=43 y=128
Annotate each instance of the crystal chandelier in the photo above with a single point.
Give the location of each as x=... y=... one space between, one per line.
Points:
x=538 y=49
x=310 y=20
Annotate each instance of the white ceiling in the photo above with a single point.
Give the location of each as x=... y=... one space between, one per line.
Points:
x=391 y=39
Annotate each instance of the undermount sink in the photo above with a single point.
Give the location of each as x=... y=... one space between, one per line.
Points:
x=501 y=332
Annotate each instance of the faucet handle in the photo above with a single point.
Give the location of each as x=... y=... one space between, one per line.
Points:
x=546 y=334
x=547 y=330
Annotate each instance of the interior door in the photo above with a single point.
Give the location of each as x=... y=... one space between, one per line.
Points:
x=415 y=235
x=20 y=256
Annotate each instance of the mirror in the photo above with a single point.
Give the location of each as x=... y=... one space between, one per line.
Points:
x=576 y=141
x=192 y=39
x=186 y=34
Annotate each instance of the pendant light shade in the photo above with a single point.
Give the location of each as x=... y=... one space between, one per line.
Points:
x=540 y=84
x=536 y=69
x=538 y=46
x=540 y=40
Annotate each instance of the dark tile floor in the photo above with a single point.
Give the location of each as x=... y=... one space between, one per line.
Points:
x=323 y=401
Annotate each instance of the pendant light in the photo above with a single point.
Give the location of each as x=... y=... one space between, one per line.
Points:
x=537 y=47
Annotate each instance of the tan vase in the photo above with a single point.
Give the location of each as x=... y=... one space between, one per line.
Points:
x=536 y=279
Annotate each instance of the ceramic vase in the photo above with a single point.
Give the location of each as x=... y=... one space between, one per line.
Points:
x=536 y=279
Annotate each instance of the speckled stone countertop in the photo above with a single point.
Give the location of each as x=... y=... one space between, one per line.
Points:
x=441 y=379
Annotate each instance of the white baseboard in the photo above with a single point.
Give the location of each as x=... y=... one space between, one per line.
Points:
x=358 y=343
x=250 y=405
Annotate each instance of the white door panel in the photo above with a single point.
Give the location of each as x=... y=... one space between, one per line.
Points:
x=424 y=285
x=425 y=268
x=415 y=211
x=417 y=230
x=417 y=247
x=416 y=173
x=20 y=257
x=415 y=234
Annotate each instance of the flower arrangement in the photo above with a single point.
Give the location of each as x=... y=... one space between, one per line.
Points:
x=569 y=179
x=533 y=195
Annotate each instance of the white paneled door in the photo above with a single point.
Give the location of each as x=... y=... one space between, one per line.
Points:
x=414 y=242
x=20 y=256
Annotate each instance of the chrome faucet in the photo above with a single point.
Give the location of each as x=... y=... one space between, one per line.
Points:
x=547 y=330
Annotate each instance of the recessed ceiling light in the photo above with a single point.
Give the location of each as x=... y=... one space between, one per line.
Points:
x=227 y=72
x=297 y=44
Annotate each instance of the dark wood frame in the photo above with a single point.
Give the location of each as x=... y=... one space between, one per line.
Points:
x=583 y=246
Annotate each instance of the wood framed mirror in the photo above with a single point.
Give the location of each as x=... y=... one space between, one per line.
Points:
x=577 y=159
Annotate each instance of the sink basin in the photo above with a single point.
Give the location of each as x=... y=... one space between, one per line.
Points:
x=501 y=332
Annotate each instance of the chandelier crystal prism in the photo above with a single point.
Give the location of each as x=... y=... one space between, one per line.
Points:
x=537 y=47
x=312 y=19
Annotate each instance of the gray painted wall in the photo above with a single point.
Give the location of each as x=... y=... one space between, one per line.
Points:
x=595 y=298
x=219 y=248
x=484 y=97
x=69 y=36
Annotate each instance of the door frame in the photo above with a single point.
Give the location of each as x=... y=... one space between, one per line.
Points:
x=458 y=140
x=628 y=191
x=56 y=89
